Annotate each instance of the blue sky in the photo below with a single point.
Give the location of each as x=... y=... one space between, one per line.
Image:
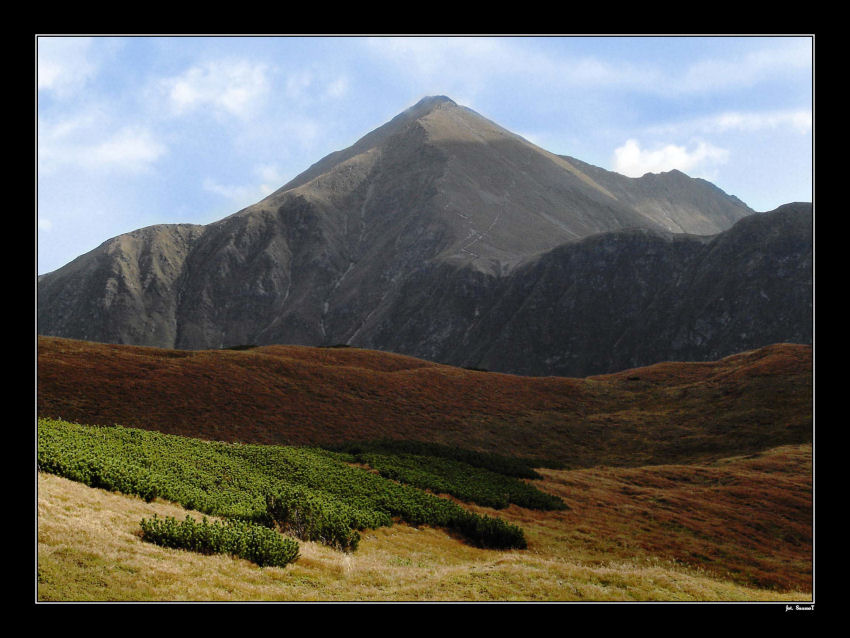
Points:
x=136 y=131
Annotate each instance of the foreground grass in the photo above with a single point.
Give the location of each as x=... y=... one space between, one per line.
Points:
x=89 y=549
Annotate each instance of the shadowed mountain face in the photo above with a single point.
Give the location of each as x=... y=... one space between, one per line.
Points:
x=441 y=234
x=618 y=300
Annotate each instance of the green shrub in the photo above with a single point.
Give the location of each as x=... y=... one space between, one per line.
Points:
x=313 y=516
x=507 y=465
x=468 y=483
x=255 y=543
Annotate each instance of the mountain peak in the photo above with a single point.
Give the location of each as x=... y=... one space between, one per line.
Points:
x=421 y=109
x=434 y=100
x=426 y=105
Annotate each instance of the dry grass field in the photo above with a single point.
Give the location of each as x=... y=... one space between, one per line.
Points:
x=630 y=535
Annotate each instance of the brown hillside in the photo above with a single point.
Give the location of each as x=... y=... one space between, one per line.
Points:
x=745 y=518
x=665 y=413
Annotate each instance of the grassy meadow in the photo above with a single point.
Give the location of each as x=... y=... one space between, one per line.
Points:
x=600 y=549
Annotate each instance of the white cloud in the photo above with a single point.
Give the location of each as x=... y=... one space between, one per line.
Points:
x=337 y=88
x=45 y=224
x=232 y=87
x=308 y=86
x=797 y=120
x=800 y=121
x=748 y=69
x=464 y=65
x=268 y=179
x=431 y=56
x=633 y=161
x=455 y=63
x=131 y=149
x=240 y=194
x=297 y=84
x=271 y=176
x=64 y=64
x=74 y=143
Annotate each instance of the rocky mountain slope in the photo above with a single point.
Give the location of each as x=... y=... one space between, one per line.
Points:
x=443 y=235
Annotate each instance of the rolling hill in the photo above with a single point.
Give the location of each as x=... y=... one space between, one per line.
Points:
x=296 y=395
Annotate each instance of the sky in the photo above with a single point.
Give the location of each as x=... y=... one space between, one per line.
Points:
x=136 y=131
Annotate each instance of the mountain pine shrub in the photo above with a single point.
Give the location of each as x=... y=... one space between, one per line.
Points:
x=255 y=543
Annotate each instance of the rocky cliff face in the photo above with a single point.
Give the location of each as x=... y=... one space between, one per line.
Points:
x=527 y=250
x=124 y=291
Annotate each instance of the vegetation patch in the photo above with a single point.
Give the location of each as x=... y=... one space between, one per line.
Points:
x=519 y=467
x=256 y=543
x=464 y=481
x=309 y=492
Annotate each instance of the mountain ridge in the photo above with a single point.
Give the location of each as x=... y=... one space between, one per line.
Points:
x=618 y=300
x=438 y=194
